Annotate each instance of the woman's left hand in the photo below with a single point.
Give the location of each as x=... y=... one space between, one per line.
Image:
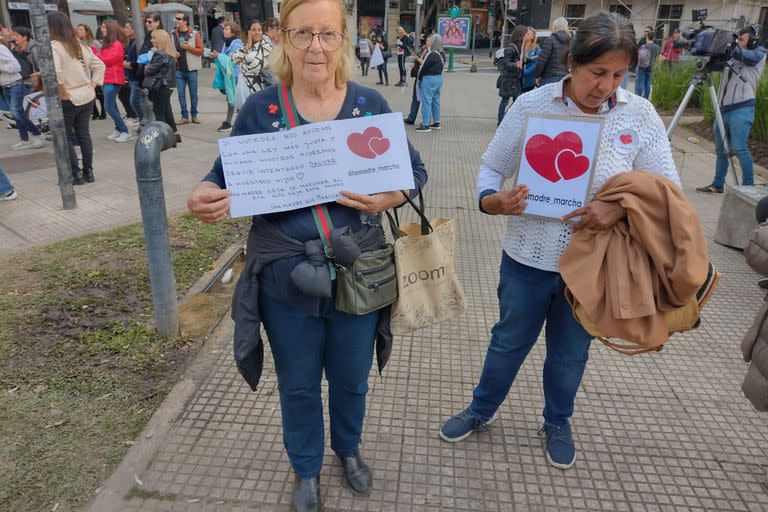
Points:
x=373 y=203
x=597 y=215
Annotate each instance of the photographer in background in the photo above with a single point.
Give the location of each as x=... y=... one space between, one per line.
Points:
x=737 y=104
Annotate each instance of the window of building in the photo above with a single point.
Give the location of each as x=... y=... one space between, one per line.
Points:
x=574 y=13
x=668 y=19
x=623 y=9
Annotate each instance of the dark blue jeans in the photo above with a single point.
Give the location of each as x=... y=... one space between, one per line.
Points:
x=414 y=112
x=136 y=99
x=527 y=297
x=184 y=79
x=14 y=96
x=303 y=346
x=643 y=82
x=503 y=107
x=737 y=123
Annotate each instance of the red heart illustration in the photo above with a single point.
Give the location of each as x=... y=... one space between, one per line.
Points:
x=541 y=152
x=369 y=144
x=626 y=139
x=379 y=145
x=570 y=165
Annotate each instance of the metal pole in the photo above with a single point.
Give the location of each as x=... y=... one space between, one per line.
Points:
x=55 y=115
x=386 y=20
x=417 y=42
x=138 y=23
x=473 y=67
x=156 y=137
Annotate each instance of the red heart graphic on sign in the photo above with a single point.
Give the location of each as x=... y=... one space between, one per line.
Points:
x=379 y=145
x=626 y=139
x=541 y=152
x=570 y=165
x=369 y=144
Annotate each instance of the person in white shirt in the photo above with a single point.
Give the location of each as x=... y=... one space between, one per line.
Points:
x=531 y=290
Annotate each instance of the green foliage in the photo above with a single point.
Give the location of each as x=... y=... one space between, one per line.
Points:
x=670 y=81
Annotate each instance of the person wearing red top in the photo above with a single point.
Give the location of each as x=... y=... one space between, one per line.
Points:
x=670 y=53
x=112 y=54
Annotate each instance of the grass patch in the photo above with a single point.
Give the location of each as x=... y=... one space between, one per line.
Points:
x=81 y=367
x=670 y=81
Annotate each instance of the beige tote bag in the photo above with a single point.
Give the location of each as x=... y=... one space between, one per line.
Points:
x=427 y=283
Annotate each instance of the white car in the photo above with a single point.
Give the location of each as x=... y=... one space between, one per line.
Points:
x=540 y=35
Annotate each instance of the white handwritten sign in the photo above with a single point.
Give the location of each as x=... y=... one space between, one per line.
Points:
x=311 y=164
x=557 y=161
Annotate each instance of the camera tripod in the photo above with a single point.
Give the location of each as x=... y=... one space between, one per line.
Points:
x=703 y=74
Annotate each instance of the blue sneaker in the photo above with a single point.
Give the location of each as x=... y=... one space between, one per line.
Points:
x=558 y=445
x=463 y=424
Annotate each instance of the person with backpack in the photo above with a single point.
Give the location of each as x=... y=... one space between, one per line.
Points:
x=647 y=53
x=12 y=77
x=510 y=82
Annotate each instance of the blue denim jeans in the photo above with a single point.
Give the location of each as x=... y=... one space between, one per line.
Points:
x=5 y=184
x=737 y=124
x=136 y=99
x=184 y=79
x=110 y=103
x=643 y=82
x=527 y=297
x=503 y=107
x=430 y=99
x=303 y=346
x=14 y=96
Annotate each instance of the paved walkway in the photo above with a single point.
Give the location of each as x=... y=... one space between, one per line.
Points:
x=667 y=431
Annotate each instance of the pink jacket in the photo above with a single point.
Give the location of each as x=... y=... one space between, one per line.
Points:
x=113 y=57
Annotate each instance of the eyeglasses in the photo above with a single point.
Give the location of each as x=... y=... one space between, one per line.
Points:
x=179 y=19
x=301 y=38
x=148 y=21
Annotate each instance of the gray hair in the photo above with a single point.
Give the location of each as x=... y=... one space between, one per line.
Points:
x=560 y=24
x=436 y=43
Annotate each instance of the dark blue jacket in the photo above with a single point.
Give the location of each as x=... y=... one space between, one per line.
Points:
x=131 y=55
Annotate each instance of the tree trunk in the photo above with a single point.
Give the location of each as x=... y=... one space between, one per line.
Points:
x=121 y=11
x=63 y=6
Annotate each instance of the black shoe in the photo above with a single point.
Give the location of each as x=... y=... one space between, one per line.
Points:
x=422 y=128
x=711 y=189
x=94 y=117
x=357 y=474
x=400 y=84
x=178 y=139
x=379 y=83
x=88 y=175
x=409 y=121
x=77 y=177
x=225 y=127
x=103 y=116
x=435 y=126
x=306 y=494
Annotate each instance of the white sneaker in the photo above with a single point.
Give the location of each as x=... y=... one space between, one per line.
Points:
x=131 y=121
x=115 y=134
x=124 y=137
x=36 y=142
x=10 y=196
x=22 y=144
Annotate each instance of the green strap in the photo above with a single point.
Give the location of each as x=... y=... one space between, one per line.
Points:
x=319 y=211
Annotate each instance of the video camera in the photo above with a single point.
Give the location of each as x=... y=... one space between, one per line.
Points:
x=713 y=47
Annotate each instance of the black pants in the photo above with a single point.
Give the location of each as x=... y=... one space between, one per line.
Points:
x=383 y=71
x=401 y=66
x=161 y=106
x=124 y=95
x=76 y=120
x=100 y=100
x=364 y=61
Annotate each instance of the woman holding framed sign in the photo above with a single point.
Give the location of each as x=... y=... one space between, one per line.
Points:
x=308 y=334
x=531 y=290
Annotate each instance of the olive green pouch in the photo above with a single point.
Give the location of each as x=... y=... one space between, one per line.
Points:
x=370 y=283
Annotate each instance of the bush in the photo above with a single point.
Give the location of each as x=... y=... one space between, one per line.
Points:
x=670 y=83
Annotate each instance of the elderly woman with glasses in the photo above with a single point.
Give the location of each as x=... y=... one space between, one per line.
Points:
x=307 y=334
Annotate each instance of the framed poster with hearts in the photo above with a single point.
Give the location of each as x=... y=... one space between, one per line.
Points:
x=557 y=161
x=312 y=163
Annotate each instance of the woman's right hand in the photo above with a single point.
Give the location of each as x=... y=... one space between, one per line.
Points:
x=209 y=203
x=506 y=202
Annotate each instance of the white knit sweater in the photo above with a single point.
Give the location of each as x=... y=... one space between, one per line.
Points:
x=540 y=243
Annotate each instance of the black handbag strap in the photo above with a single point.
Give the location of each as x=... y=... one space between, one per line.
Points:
x=394 y=222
